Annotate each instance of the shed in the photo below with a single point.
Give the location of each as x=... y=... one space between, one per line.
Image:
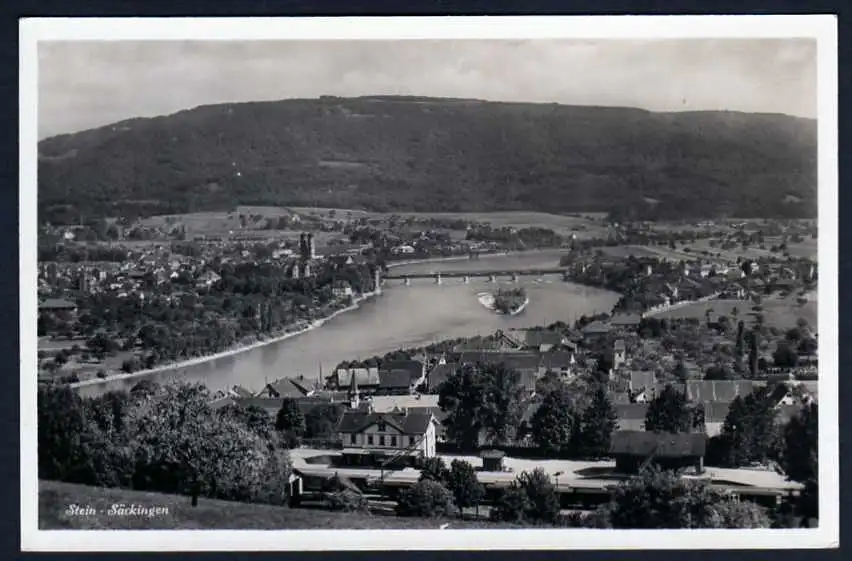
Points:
x=634 y=449
x=492 y=460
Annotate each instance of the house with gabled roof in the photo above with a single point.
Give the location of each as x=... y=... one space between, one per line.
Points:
x=287 y=387
x=560 y=362
x=367 y=378
x=543 y=340
x=596 y=329
x=643 y=380
x=631 y=416
x=57 y=306
x=401 y=377
x=499 y=342
x=239 y=391
x=365 y=433
x=439 y=374
x=273 y=404
x=626 y=321
x=716 y=390
x=525 y=363
x=634 y=449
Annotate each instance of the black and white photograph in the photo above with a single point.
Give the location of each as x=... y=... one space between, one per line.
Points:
x=500 y=283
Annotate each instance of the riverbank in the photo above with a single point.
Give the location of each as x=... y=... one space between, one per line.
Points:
x=240 y=348
x=244 y=347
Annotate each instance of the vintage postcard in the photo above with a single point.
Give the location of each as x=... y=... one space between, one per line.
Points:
x=429 y=283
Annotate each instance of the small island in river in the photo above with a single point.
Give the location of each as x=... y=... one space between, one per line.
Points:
x=508 y=302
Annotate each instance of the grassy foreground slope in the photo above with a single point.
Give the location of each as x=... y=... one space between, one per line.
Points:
x=54 y=498
x=385 y=153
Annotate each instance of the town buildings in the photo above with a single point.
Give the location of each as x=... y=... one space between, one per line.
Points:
x=369 y=437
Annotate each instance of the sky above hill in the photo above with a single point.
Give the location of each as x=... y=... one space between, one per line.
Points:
x=89 y=84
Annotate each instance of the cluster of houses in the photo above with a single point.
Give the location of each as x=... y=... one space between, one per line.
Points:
x=661 y=284
x=393 y=409
x=148 y=271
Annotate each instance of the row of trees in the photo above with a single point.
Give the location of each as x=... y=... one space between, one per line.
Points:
x=485 y=404
x=161 y=438
x=561 y=425
x=654 y=499
x=319 y=422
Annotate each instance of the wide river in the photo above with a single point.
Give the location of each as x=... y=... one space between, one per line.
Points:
x=403 y=316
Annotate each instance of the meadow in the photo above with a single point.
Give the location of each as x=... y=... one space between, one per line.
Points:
x=778 y=311
x=54 y=499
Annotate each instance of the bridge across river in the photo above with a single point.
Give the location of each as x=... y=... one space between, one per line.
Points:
x=493 y=275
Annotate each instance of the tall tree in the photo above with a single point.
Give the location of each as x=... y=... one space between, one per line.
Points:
x=785 y=356
x=502 y=403
x=464 y=485
x=598 y=421
x=659 y=499
x=434 y=469
x=290 y=422
x=532 y=497
x=753 y=357
x=680 y=372
x=671 y=411
x=555 y=422
x=62 y=428
x=426 y=499
x=321 y=421
x=481 y=399
x=253 y=417
x=740 y=338
x=460 y=397
x=750 y=433
x=183 y=446
x=800 y=458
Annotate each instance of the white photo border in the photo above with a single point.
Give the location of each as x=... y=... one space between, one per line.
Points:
x=822 y=28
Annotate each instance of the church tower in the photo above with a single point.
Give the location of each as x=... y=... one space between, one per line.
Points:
x=354 y=394
x=310 y=247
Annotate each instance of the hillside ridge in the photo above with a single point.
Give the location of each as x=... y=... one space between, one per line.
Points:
x=427 y=154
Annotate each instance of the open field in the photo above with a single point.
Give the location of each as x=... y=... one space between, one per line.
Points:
x=54 y=499
x=584 y=225
x=48 y=344
x=111 y=364
x=752 y=252
x=780 y=312
x=657 y=251
x=783 y=312
x=625 y=251
x=698 y=310
x=807 y=248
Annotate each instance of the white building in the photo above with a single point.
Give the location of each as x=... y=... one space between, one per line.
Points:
x=405 y=432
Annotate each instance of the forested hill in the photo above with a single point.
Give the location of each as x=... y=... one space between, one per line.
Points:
x=419 y=154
